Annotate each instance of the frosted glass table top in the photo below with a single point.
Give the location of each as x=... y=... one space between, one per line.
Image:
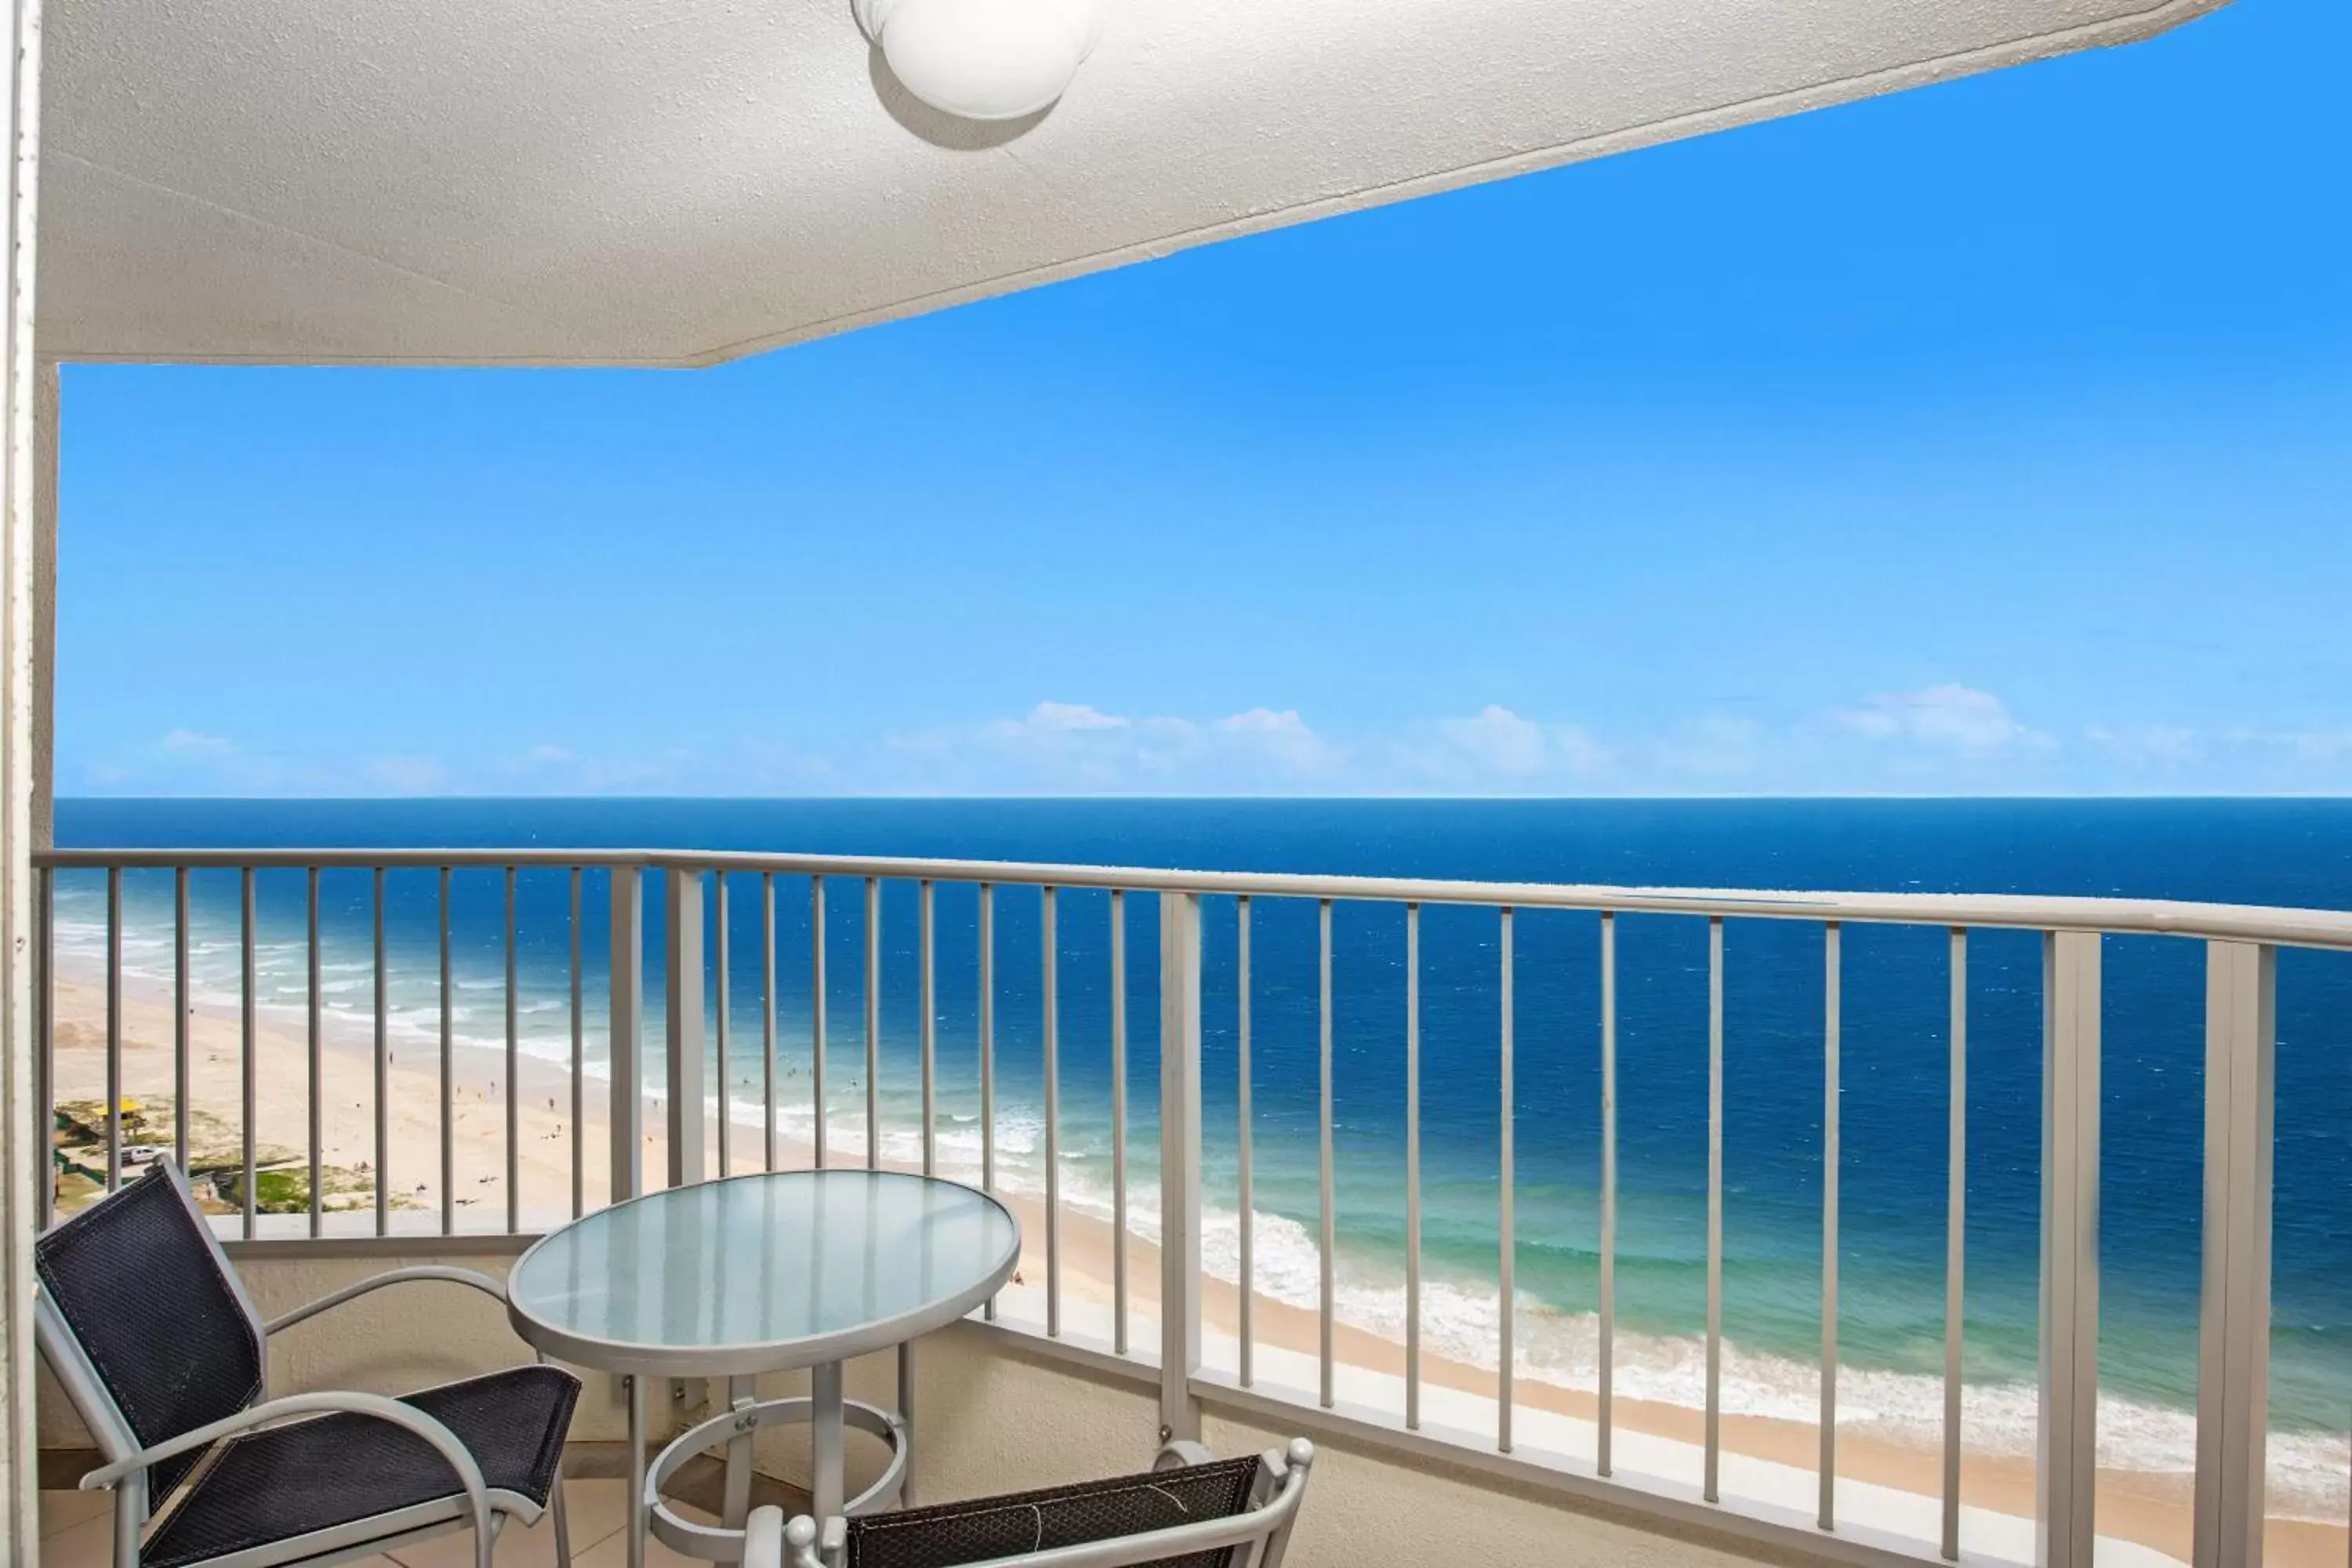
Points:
x=762 y=1273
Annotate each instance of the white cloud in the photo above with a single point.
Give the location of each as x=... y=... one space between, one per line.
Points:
x=1942 y=738
x=193 y=761
x=1716 y=747
x=1285 y=738
x=1071 y=717
x=193 y=744
x=1951 y=717
x=404 y=775
x=1495 y=745
x=2302 y=745
x=1498 y=740
x=1073 y=746
x=2161 y=745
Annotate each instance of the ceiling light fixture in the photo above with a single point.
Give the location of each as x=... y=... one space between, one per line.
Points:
x=982 y=59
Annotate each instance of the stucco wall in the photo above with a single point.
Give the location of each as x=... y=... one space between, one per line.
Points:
x=990 y=1417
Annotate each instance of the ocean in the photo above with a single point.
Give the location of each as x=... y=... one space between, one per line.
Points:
x=1892 y=1104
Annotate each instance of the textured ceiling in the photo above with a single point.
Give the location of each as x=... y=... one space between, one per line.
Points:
x=683 y=181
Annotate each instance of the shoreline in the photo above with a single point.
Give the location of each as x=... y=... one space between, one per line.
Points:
x=2152 y=1510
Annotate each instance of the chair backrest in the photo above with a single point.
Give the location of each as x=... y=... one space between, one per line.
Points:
x=948 y=1535
x=145 y=1322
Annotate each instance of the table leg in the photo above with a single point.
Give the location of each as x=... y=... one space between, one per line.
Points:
x=907 y=1415
x=825 y=1440
x=636 y=1553
x=738 y=1506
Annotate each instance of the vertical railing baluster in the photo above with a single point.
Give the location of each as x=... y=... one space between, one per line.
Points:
x=873 y=1024
x=1180 y=1164
x=317 y=1057
x=449 y=1077
x=928 y=1035
x=113 y=1027
x=1607 y=1353
x=1508 y=1289
x=1831 y=973
x=1711 y=1487
x=1326 y=1234
x=817 y=1013
x=688 y=1137
x=722 y=1004
x=1118 y=1119
x=2234 y=1312
x=1413 y=1167
x=767 y=1012
x=625 y=1023
x=988 y=1052
x=44 y=1050
x=514 y=1072
x=1050 y=1009
x=579 y=1062
x=382 y=1063
x=248 y=1070
x=1247 y=1198
x=1956 y=1199
x=2066 y=1471
x=179 y=1015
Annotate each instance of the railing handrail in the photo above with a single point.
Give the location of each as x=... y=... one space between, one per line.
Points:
x=2275 y=925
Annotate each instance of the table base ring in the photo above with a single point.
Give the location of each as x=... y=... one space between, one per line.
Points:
x=718 y=1544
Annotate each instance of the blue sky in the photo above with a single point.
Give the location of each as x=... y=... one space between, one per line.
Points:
x=1995 y=438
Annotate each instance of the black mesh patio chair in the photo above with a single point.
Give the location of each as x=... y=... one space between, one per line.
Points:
x=1190 y=1511
x=152 y=1337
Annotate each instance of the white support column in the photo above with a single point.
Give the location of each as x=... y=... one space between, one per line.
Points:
x=625 y=1054
x=683 y=916
x=2234 y=1320
x=1180 y=1164
x=45 y=603
x=2066 y=1471
x=21 y=484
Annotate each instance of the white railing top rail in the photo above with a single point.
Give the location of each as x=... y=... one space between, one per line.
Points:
x=2157 y=917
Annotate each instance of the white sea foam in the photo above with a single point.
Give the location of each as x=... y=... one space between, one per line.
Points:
x=1461 y=1320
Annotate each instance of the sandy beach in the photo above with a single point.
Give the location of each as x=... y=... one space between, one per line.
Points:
x=2150 y=1511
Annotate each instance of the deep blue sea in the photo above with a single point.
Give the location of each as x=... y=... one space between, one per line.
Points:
x=1893 y=1106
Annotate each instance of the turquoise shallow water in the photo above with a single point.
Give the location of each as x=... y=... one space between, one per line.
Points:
x=1892 y=1104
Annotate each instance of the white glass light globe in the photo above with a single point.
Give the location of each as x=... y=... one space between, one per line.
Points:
x=982 y=59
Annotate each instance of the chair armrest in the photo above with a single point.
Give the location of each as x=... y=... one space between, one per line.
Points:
x=810 y=1547
x=763 y=1539
x=469 y=1474
x=467 y=1276
x=1290 y=1465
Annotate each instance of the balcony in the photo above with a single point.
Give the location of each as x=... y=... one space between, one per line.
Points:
x=1281 y=1145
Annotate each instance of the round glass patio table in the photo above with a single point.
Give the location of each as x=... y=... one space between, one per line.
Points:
x=765 y=1273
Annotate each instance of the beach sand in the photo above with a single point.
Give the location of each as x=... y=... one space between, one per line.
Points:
x=1884 y=1483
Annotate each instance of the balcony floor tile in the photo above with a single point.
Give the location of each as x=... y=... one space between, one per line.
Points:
x=61 y=1511
x=599 y=1509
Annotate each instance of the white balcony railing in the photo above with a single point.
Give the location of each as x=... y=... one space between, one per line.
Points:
x=699 y=1132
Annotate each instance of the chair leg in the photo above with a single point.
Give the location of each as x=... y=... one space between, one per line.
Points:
x=130 y=1516
x=563 y=1525
x=126 y=1531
